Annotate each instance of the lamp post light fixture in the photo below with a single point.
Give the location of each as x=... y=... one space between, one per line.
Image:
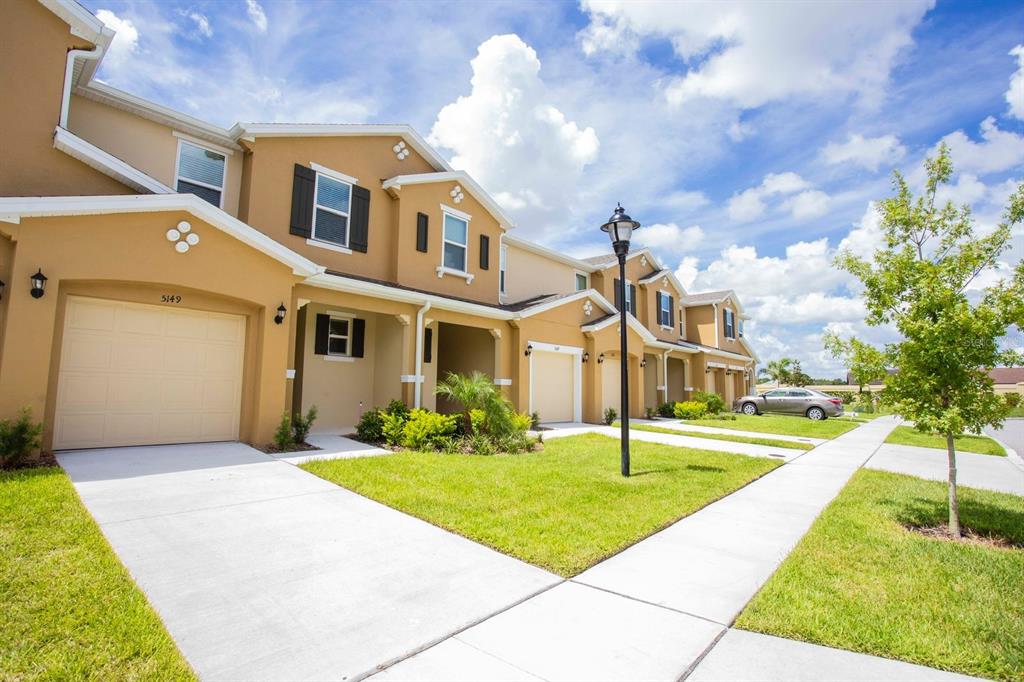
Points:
x=281 y=312
x=38 y=284
x=620 y=228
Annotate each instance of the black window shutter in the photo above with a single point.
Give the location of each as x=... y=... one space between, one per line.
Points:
x=358 y=337
x=428 y=345
x=359 y=221
x=671 y=311
x=323 y=328
x=302 y=201
x=632 y=299
x=617 y=285
x=657 y=305
x=422 y=223
x=485 y=252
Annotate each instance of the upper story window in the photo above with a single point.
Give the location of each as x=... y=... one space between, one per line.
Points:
x=665 y=310
x=201 y=172
x=730 y=323
x=332 y=206
x=739 y=326
x=456 y=239
x=630 y=303
x=582 y=281
x=502 y=257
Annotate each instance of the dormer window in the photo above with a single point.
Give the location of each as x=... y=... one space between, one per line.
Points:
x=201 y=172
x=332 y=208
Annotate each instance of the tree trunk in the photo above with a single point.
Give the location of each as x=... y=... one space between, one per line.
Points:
x=954 y=504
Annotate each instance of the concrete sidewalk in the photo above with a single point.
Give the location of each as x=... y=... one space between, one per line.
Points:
x=977 y=471
x=657 y=608
x=726 y=431
x=261 y=571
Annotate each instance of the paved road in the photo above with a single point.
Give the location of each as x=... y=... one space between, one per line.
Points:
x=1001 y=474
x=1012 y=434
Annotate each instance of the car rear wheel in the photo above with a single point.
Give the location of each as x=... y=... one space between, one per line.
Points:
x=749 y=408
x=816 y=414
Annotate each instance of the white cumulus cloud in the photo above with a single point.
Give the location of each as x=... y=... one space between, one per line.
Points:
x=1015 y=93
x=125 y=44
x=202 y=23
x=999 y=150
x=669 y=238
x=800 y=199
x=256 y=15
x=867 y=152
x=752 y=53
x=512 y=139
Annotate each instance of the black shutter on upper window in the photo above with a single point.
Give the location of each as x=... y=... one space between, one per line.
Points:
x=428 y=345
x=657 y=305
x=632 y=299
x=359 y=221
x=422 y=227
x=323 y=328
x=358 y=337
x=485 y=252
x=617 y=285
x=303 y=185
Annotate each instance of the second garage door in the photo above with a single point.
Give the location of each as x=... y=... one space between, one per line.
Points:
x=133 y=374
x=554 y=386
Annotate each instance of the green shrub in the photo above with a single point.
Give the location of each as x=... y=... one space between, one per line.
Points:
x=370 y=428
x=476 y=418
x=848 y=397
x=392 y=427
x=535 y=421
x=610 y=415
x=691 y=409
x=515 y=443
x=18 y=438
x=479 y=444
x=397 y=407
x=450 y=445
x=301 y=425
x=712 y=400
x=283 y=436
x=1013 y=399
x=426 y=430
x=521 y=423
x=650 y=413
x=667 y=410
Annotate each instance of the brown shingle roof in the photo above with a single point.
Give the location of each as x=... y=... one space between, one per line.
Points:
x=1007 y=375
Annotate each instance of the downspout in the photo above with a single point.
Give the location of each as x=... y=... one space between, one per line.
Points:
x=418 y=393
x=718 y=344
x=69 y=71
x=664 y=378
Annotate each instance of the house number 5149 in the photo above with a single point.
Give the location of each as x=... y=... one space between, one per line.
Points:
x=170 y=298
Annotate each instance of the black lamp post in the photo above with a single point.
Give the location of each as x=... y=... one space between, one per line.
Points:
x=620 y=228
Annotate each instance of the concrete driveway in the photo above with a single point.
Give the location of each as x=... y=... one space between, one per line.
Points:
x=263 y=571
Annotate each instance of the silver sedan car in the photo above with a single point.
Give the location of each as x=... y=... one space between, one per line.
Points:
x=812 y=404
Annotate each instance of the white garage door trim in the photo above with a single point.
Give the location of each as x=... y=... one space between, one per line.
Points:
x=577 y=373
x=141 y=374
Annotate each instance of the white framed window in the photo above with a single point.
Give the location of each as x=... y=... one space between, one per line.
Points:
x=332 y=205
x=730 y=324
x=456 y=243
x=582 y=281
x=339 y=337
x=665 y=310
x=629 y=298
x=200 y=171
x=502 y=258
x=739 y=327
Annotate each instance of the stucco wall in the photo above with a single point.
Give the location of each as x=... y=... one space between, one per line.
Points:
x=33 y=50
x=462 y=350
x=529 y=274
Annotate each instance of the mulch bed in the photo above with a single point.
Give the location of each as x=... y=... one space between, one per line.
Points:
x=969 y=536
x=297 y=447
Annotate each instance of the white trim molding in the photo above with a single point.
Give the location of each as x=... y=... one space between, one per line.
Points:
x=502 y=382
x=461 y=177
x=320 y=244
x=411 y=379
x=200 y=142
x=333 y=173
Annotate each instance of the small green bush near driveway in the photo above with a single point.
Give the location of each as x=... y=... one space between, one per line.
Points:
x=782 y=425
x=69 y=609
x=564 y=508
x=771 y=442
x=860 y=580
x=979 y=445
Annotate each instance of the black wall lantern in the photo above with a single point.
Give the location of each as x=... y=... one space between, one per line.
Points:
x=38 y=284
x=600 y=359
x=586 y=356
x=529 y=349
x=281 y=311
x=643 y=363
x=2 y=285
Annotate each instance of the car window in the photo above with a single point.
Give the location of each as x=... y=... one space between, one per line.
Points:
x=774 y=394
x=799 y=393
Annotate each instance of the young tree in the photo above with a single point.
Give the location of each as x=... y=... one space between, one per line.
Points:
x=778 y=370
x=797 y=375
x=865 y=362
x=921 y=280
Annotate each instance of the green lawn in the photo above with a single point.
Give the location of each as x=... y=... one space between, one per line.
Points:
x=725 y=436
x=860 y=581
x=981 y=445
x=780 y=424
x=564 y=508
x=70 y=609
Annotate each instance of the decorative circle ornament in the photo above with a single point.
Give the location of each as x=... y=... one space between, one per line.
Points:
x=401 y=151
x=182 y=236
x=588 y=308
x=456 y=194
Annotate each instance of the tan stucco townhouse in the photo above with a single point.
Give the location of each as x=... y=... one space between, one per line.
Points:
x=201 y=281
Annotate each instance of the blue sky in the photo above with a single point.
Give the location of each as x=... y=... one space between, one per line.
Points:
x=749 y=138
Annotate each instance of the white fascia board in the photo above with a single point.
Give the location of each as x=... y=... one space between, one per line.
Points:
x=545 y=252
x=461 y=177
x=654 y=277
x=592 y=294
x=105 y=94
x=83 y=23
x=91 y=155
x=326 y=280
x=633 y=323
x=28 y=207
x=724 y=354
x=668 y=345
x=407 y=133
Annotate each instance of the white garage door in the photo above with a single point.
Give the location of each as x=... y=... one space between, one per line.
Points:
x=133 y=374
x=611 y=382
x=554 y=386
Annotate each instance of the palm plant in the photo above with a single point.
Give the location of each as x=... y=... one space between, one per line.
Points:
x=476 y=391
x=779 y=370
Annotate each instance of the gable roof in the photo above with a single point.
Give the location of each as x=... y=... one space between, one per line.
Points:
x=13 y=209
x=461 y=177
x=710 y=297
x=607 y=259
x=580 y=264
